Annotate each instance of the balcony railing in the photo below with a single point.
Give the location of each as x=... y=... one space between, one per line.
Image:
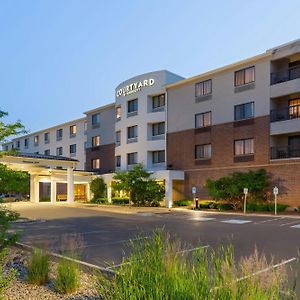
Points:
x=285 y=152
x=286 y=113
x=286 y=75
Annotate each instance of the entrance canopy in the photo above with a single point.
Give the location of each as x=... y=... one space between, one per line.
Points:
x=48 y=168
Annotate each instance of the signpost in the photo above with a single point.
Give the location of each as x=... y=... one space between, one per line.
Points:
x=245 y=199
x=194 y=191
x=275 y=192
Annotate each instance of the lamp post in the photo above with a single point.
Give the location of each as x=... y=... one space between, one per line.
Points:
x=245 y=199
x=275 y=192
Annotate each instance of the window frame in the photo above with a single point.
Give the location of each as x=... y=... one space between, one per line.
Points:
x=73 y=134
x=97 y=139
x=154 y=125
x=243 y=105
x=97 y=161
x=129 y=105
x=159 y=100
x=70 y=147
x=158 y=152
x=135 y=155
x=202 y=88
x=244 y=76
x=118 y=161
x=96 y=120
x=243 y=147
x=204 y=157
x=58 y=152
x=58 y=135
x=129 y=128
x=203 y=114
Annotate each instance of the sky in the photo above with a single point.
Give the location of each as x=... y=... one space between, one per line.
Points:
x=60 y=58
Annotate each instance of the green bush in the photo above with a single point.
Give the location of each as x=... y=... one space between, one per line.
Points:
x=38 y=268
x=67 y=278
x=280 y=207
x=119 y=201
x=45 y=199
x=224 y=206
x=265 y=207
x=183 y=202
x=98 y=188
x=99 y=201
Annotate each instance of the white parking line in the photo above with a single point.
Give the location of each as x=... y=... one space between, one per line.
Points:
x=269 y=220
x=236 y=221
x=290 y=223
x=296 y=226
x=202 y=219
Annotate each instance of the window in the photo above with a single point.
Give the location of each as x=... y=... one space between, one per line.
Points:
x=26 y=143
x=294 y=108
x=244 y=76
x=203 y=151
x=118 y=113
x=132 y=132
x=96 y=141
x=96 y=163
x=132 y=106
x=132 y=158
x=96 y=120
x=47 y=137
x=47 y=152
x=73 y=149
x=18 y=144
x=244 y=147
x=118 y=161
x=158 y=156
x=118 y=138
x=59 y=151
x=36 y=140
x=73 y=130
x=158 y=101
x=158 y=128
x=203 y=119
x=59 y=134
x=203 y=88
x=36 y=152
x=244 y=111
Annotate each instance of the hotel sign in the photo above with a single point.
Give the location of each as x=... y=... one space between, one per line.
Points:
x=134 y=87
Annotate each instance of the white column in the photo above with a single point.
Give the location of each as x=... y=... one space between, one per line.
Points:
x=32 y=191
x=36 y=189
x=88 y=192
x=169 y=192
x=53 y=191
x=108 y=192
x=70 y=185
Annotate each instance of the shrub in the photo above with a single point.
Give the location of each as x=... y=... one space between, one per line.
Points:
x=45 y=199
x=119 y=201
x=265 y=207
x=157 y=269
x=183 y=203
x=98 y=188
x=99 y=201
x=280 y=207
x=67 y=280
x=38 y=268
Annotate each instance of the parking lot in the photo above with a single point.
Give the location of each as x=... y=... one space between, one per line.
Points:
x=106 y=233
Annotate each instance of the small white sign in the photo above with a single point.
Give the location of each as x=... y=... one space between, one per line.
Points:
x=194 y=190
x=275 y=190
x=245 y=191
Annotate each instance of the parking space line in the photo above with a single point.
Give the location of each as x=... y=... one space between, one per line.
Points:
x=269 y=220
x=236 y=221
x=296 y=226
x=202 y=219
x=290 y=223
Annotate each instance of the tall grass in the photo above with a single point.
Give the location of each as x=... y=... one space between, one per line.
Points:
x=38 y=267
x=157 y=269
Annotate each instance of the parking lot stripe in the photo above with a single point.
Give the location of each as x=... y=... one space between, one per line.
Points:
x=236 y=221
x=202 y=219
x=290 y=223
x=269 y=220
x=296 y=226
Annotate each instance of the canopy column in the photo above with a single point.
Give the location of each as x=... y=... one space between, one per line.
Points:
x=34 y=188
x=53 y=191
x=70 y=185
x=169 y=192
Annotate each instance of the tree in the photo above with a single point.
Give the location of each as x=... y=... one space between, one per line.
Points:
x=141 y=188
x=98 y=188
x=230 y=188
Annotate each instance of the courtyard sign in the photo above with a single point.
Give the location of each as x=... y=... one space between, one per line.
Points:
x=134 y=87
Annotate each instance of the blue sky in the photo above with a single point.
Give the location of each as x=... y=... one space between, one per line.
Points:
x=59 y=58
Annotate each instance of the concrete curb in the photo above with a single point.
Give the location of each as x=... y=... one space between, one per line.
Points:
x=85 y=266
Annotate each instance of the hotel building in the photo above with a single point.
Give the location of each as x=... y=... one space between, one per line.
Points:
x=241 y=117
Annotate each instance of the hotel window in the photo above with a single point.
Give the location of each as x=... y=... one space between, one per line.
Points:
x=47 y=137
x=96 y=141
x=18 y=144
x=59 y=134
x=203 y=119
x=73 y=149
x=36 y=140
x=244 y=111
x=294 y=108
x=118 y=161
x=96 y=163
x=244 y=147
x=158 y=157
x=132 y=106
x=59 y=151
x=132 y=158
x=244 y=76
x=132 y=132
x=158 y=102
x=118 y=138
x=203 y=151
x=47 y=152
x=96 y=120
x=26 y=143
x=118 y=113
x=158 y=128
x=203 y=88
x=73 y=130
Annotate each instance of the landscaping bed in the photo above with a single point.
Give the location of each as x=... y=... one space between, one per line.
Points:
x=21 y=289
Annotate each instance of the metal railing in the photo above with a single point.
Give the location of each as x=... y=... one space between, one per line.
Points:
x=285 y=152
x=286 y=113
x=286 y=75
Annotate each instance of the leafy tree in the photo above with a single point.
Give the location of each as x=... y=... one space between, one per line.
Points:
x=230 y=188
x=98 y=188
x=141 y=188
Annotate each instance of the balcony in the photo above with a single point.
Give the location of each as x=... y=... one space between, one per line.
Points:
x=286 y=113
x=286 y=75
x=284 y=152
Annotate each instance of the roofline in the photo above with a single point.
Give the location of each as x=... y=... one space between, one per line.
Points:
x=104 y=107
x=219 y=70
x=45 y=129
x=283 y=45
